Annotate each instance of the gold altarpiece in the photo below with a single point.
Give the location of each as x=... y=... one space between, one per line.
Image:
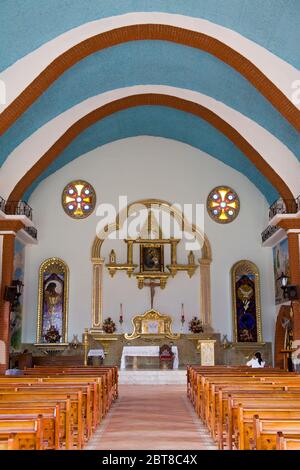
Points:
x=131 y=269
x=151 y=325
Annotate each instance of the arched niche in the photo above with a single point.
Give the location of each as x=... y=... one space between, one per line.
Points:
x=204 y=261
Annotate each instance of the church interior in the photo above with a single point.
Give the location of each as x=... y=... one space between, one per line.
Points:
x=147 y=307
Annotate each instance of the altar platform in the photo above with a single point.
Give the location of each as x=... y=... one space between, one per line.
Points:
x=152 y=377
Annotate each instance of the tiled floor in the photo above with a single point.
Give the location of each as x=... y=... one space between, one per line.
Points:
x=151 y=417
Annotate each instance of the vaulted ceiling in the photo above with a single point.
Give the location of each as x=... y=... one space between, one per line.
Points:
x=216 y=75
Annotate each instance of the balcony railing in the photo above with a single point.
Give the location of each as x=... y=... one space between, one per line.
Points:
x=31 y=231
x=2 y=204
x=18 y=208
x=268 y=232
x=287 y=206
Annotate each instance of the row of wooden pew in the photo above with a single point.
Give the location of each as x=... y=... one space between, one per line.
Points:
x=245 y=408
x=54 y=407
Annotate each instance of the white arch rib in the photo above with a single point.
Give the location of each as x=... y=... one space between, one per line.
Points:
x=21 y=160
x=18 y=76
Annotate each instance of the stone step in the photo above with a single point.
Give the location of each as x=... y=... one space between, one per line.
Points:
x=161 y=377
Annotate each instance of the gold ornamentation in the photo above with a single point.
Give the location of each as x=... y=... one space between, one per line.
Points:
x=58 y=267
x=152 y=324
x=113 y=268
x=178 y=216
x=161 y=277
x=239 y=269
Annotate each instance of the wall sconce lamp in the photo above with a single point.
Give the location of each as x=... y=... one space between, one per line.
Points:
x=13 y=292
x=283 y=278
x=290 y=292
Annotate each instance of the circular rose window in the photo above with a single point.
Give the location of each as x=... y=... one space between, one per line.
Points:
x=223 y=204
x=78 y=199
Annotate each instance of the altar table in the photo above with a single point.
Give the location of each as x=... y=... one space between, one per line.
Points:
x=136 y=351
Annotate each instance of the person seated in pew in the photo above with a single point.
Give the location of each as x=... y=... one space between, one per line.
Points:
x=256 y=361
x=15 y=370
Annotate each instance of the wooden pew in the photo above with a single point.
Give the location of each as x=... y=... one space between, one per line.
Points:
x=246 y=433
x=28 y=432
x=64 y=413
x=264 y=400
x=9 y=442
x=50 y=423
x=78 y=398
x=285 y=443
x=230 y=399
x=73 y=411
x=227 y=400
x=265 y=431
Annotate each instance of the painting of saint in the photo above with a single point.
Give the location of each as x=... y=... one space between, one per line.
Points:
x=53 y=298
x=53 y=304
x=246 y=302
x=152 y=258
x=246 y=312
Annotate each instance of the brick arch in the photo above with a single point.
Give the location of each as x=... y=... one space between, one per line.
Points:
x=153 y=99
x=149 y=32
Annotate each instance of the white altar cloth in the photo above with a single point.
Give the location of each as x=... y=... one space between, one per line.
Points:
x=96 y=353
x=136 y=351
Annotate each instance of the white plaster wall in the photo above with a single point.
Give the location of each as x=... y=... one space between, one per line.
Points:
x=147 y=167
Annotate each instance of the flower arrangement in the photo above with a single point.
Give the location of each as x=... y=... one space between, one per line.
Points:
x=52 y=335
x=109 y=326
x=195 y=325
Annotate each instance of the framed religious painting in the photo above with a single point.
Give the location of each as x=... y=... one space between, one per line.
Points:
x=246 y=302
x=151 y=257
x=53 y=302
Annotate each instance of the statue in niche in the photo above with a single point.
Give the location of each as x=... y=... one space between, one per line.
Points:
x=191 y=258
x=112 y=257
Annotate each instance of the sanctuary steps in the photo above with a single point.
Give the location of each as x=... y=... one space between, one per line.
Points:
x=152 y=377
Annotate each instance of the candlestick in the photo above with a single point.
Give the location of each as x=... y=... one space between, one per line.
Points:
x=182 y=314
x=121 y=314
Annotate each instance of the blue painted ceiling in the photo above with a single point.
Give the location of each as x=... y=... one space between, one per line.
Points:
x=161 y=122
x=273 y=24
x=30 y=23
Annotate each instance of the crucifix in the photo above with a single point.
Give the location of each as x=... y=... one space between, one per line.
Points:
x=152 y=286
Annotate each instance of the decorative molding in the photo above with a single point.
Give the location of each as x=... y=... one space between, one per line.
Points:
x=97 y=300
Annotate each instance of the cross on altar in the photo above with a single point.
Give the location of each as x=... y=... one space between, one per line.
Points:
x=152 y=286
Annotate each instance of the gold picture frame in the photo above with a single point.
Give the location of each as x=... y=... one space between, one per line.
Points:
x=152 y=258
x=53 y=299
x=246 y=305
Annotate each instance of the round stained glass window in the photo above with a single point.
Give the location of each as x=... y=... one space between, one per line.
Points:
x=223 y=204
x=78 y=199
